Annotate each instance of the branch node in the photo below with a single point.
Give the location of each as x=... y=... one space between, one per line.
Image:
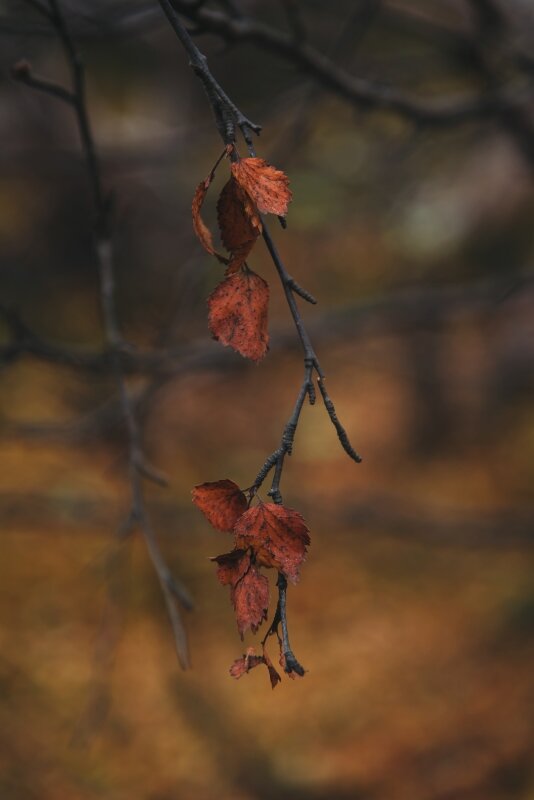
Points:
x=295 y=287
x=291 y=663
x=150 y=472
x=276 y=495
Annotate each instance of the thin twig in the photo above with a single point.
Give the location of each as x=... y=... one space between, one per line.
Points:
x=311 y=363
x=489 y=43
x=21 y=71
x=227 y=115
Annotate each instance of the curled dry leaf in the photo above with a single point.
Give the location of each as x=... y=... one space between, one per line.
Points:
x=250 y=597
x=250 y=660
x=278 y=536
x=239 y=230
x=273 y=674
x=238 y=310
x=267 y=186
x=232 y=566
x=244 y=664
x=199 y=226
x=221 y=502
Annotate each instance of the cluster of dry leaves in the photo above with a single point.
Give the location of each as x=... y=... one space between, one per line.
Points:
x=238 y=308
x=266 y=535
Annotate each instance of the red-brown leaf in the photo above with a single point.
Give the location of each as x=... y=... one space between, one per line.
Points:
x=199 y=226
x=221 y=502
x=238 y=258
x=232 y=566
x=277 y=534
x=239 y=224
x=252 y=212
x=244 y=664
x=235 y=224
x=238 y=314
x=267 y=186
x=250 y=597
x=248 y=661
x=273 y=674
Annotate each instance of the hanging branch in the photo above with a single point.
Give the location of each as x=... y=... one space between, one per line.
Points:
x=139 y=469
x=235 y=567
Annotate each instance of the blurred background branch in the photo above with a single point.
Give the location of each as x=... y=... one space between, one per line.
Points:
x=103 y=251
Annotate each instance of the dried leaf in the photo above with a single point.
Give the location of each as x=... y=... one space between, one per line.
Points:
x=238 y=258
x=244 y=664
x=267 y=186
x=273 y=674
x=238 y=314
x=221 y=502
x=251 y=211
x=250 y=660
x=232 y=566
x=278 y=535
x=250 y=597
x=199 y=226
x=235 y=224
x=239 y=224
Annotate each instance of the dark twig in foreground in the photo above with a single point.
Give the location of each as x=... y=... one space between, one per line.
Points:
x=311 y=364
x=139 y=469
x=227 y=115
x=290 y=662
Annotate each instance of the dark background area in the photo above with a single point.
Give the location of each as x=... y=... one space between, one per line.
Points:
x=415 y=612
